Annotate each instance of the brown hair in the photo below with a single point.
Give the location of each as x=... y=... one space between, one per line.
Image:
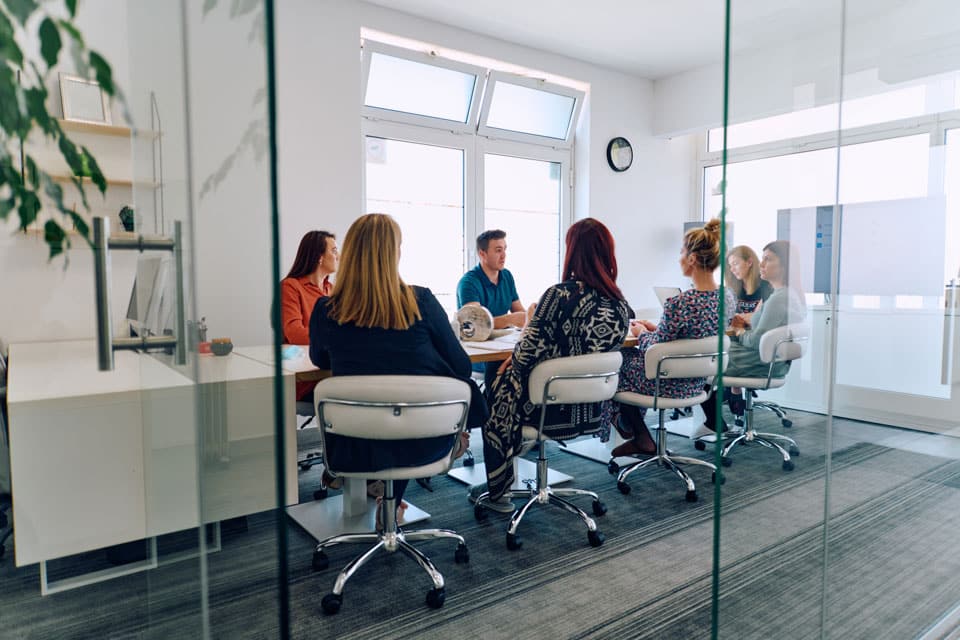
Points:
x=312 y=247
x=704 y=243
x=483 y=240
x=752 y=281
x=369 y=291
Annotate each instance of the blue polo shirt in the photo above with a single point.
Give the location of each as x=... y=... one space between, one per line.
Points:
x=475 y=286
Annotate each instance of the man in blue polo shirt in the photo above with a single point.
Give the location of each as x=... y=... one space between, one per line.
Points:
x=491 y=286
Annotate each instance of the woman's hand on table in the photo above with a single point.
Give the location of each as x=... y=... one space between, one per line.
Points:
x=638 y=327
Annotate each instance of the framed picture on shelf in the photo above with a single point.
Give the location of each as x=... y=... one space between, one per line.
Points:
x=83 y=100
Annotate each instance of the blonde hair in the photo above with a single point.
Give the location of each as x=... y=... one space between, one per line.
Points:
x=752 y=280
x=704 y=243
x=369 y=291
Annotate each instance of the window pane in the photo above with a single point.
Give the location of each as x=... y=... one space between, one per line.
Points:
x=525 y=110
x=421 y=186
x=413 y=87
x=522 y=197
x=858 y=112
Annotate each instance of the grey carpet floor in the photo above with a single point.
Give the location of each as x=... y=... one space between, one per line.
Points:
x=891 y=542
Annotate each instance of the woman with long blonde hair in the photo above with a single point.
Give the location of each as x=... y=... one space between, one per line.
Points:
x=373 y=323
x=743 y=279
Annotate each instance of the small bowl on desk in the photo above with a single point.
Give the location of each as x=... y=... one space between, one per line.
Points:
x=221 y=346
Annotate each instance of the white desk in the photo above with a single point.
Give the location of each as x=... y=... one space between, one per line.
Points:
x=101 y=458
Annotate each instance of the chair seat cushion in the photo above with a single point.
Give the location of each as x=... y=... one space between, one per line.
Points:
x=753 y=383
x=640 y=400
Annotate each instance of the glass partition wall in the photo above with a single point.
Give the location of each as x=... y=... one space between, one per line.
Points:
x=149 y=492
x=840 y=138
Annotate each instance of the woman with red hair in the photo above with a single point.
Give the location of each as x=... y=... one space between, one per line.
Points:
x=585 y=313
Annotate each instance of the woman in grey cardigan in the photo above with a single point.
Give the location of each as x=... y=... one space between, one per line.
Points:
x=784 y=306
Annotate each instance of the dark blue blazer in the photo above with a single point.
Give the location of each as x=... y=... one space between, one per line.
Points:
x=428 y=348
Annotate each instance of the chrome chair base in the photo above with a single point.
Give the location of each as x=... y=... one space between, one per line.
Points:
x=541 y=493
x=390 y=540
x=664 y=458
x=768 y=440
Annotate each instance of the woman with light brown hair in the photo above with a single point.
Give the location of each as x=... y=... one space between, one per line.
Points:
x=373 y=323
x=743 y=279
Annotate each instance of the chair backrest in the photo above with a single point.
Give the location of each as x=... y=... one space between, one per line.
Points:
x=575 y=379
x=784 y=344
x=690 y=358
x=392 y=407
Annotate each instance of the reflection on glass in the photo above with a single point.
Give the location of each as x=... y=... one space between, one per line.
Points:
x=421 y=186
x=413 y=87
x=522 y=197
x=526 y=110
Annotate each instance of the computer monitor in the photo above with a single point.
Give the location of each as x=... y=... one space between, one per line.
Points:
x=153 y=298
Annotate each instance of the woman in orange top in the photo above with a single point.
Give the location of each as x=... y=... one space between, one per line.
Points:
x=307 y=282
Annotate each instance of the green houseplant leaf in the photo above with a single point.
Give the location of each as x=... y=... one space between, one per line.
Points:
x=23 y=113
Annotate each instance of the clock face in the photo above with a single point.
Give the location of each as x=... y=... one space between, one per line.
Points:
x=619 y=154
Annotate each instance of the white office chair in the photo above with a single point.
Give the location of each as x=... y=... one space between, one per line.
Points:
x=783 y=344
x=670 y=361
x=571 y=380
x=419 y=412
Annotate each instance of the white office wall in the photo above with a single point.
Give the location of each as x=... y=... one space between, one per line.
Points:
x=882 y=48
x=41 y=300
x=321 y=154
x=321 y=159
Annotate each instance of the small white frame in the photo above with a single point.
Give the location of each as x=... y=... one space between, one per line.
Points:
x=84 y=100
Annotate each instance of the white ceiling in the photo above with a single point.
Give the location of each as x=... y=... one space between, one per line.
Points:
x=646 y=38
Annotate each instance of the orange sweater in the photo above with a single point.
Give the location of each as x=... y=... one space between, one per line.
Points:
x=298 y=296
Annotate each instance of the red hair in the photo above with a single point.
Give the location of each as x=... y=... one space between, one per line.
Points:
x=590 y=257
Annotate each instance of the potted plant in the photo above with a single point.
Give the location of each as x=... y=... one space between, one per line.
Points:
x=23 y=109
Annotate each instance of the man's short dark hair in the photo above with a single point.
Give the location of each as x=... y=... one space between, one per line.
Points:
x=483 y=240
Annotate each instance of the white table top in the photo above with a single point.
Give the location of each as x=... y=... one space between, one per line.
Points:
x=51 y=370
x=264 y=354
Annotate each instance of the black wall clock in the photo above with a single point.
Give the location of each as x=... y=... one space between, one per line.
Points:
x=619 y=154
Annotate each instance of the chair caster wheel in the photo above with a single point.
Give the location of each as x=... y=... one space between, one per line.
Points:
x=726 y=461
x=700 y=445
x=462 y=554
x=794 y=451
x=713 y=478
x=320 y=561
x=612 y=467
x=595 y=538
x=513 y=542
x=788 y=465
x=479 y=513
x=436 y=598
x=599 y=508
x=331 y=603
x=320 y=494
x=691 y=495
x=787 y=423
x=623 y=487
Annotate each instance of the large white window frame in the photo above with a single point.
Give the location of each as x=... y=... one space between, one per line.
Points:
x=473 y=137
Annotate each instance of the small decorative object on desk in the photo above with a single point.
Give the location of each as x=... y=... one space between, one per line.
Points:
x=476 y=323
x=221 y=346
x=126 y=218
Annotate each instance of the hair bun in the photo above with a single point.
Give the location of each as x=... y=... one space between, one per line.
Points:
x=712 y=227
